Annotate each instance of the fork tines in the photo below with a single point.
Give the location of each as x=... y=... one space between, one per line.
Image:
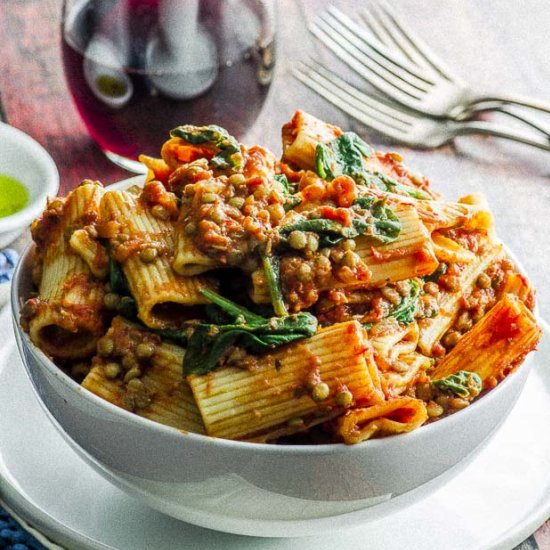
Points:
x=372 y=112
x=367 y=56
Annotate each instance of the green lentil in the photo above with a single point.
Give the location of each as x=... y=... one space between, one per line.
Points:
x=105 y=346
x=431 y=288
x=451 y=339
x=336 y=255
x=134 y=372
x=237 y=179
x=458 y=403
x=297 y=240
x=350 y=259
x=483 y=280
x=145 y=350
x=217 y=216
x=190 y=228
x=434 y=409
x=320 y=391
x=111 y=370
x=312 y=242
x=443 y=400
x=80 y=370
x=142 y=400
x=148 y=255
x=344 y=398
x=464 y=322
x=236 y=202
x=129 y=362
x=304 y=273
x=424 y=391
x=295 y=422
x=111 y=300
x=208 y=197
x=349 y=244
x=160 y=212
x=134 y=384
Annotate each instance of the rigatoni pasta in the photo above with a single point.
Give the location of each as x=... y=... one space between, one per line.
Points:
x=143 y=244
x=65 y=320
x=148 y=380
x=329 y=296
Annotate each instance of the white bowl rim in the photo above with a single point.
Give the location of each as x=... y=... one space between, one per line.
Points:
x=446 y=423
x=51 y=181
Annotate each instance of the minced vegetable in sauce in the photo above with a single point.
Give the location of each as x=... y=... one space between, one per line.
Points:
x=13 y=196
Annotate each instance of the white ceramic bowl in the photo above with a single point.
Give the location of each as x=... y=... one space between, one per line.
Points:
x=258 y=489
x=24 y=159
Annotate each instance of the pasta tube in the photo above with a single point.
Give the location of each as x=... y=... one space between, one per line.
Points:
x=144 y=246
x=280 y=389
x=431 y=330
x=155 y=389
x=399 y=415
x=66 y=319
x=495 y=345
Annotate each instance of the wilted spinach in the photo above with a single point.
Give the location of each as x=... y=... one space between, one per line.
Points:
x=127 y=306
x=404 y=311
x=289 y=192
x=117 y=280
x=273 y=277
x=465 y=384
x=439 y=271
x=388 y=184
x=370 y=217
x=229 y=151
x=255 y=333
x=346 y=155
x=342 y=156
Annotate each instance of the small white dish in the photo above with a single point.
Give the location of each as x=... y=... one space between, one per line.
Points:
x=497 y=501
x=24 y=159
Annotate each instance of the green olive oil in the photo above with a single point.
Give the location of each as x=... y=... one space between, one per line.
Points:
x=13 y=196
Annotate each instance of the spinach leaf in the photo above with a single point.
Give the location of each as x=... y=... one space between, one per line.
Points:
x=273 y=277
x=289 y=192
x=127 y=306
x=342 y=156
x=377 y=221
x=233 y=310
x=463 y=383
x=385 y=225
x=284 y=183
x=346 y=155
x=180 y=337
x=439 y=271
x=252 y=332
x=330 y=232
x=388 y=184
x=405 y=310
x=117 y=280
x=229 y=151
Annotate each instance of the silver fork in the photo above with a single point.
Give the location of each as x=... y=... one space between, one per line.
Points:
x=402 y=67
x=398 y=124
x=398 y=36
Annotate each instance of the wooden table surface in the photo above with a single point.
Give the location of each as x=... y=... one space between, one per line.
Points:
x=500 y=45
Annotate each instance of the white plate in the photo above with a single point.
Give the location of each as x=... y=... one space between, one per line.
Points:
x=497 y=501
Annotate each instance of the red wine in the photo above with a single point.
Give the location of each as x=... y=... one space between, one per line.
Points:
x=126 y=108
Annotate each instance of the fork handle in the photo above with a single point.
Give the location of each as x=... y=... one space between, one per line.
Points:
x=470 y=110
x=498 y=130
x=476 y=103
